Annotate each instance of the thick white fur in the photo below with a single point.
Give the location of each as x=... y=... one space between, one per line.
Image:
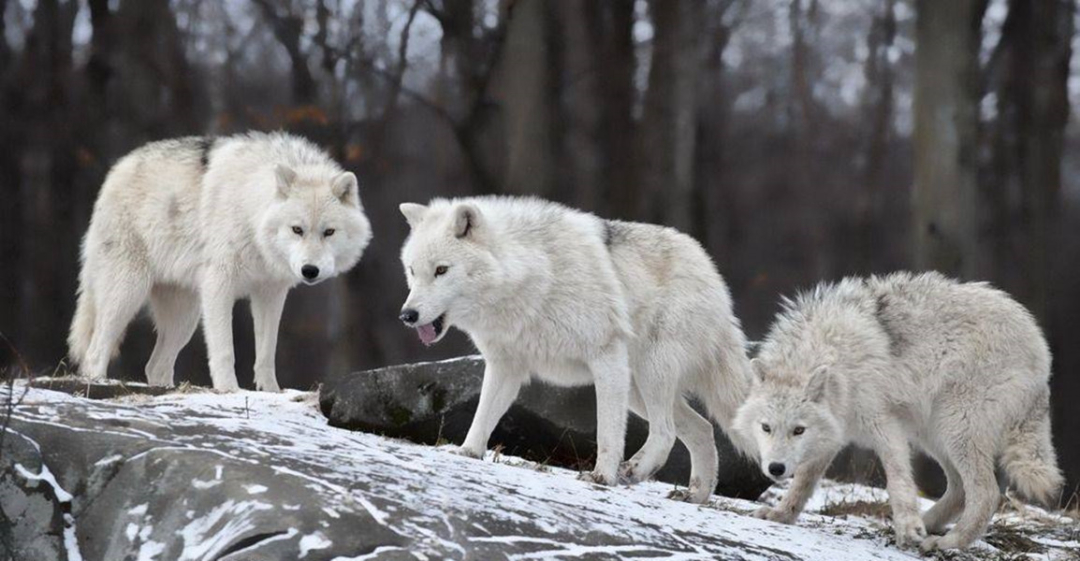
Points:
x=549 y=292
x=194 y=224
x=959 y=371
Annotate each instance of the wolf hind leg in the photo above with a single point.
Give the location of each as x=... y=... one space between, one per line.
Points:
x=658 y=395
x=176 y=316
x=696 y=433
x=116 y=303
x=981 y=493
x=949 y=505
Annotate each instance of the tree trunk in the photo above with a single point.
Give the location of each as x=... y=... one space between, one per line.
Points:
x=611 y=24
x=1033 y=113
x=878 y=109
x=529 y=71
x=945 y=197
x=670 y=114
x=580 y=178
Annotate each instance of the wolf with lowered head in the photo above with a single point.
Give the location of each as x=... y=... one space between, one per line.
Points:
x=959 y=371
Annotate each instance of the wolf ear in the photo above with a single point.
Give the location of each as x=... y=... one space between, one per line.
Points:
x=759 y=371
x=285 y=177
x=466 y=220
x=413 y=213
x=820 y=384
x=346 y=188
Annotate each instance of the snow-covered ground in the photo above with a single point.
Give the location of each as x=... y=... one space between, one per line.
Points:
x=444 y=506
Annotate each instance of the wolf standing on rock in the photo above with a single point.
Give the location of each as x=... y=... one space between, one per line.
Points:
x=546 y=291
x=960 y=371
x=195 y=223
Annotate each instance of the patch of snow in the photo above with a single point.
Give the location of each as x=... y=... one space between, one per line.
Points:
x=150 y=550
x=375 y=554
x=71 y=539
x=138 y=510
x=46 y=476
x=311 y=542
x=200 y=484
x=256 y=489
x=108 y=460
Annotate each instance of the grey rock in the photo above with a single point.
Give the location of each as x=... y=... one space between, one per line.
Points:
x=433 y=403
x=258 y=476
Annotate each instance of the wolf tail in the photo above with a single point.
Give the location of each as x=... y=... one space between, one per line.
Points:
x=1029 y=459
x=82 y=326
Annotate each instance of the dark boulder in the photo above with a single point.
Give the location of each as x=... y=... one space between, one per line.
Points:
x=434 y=402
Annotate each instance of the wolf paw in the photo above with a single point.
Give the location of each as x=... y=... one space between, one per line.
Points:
x=628 y=472
x=227 y=387
x=267 y=386
x=691 y=495
x=463 y=451
x=909 y=530
x=597 y=478
x=774 y=515
x=939 y=543
x=694 y=494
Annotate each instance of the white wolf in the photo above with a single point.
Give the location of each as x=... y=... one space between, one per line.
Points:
x=549 y=292
x=202 y=222
x=959 y=371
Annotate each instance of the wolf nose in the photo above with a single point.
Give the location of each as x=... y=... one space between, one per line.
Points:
x=309 y=271
x=776 y=469
x=409 y=316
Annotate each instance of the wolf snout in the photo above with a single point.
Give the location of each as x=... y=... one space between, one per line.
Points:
x=777 y=469
x=310 y=272
x=409 y=316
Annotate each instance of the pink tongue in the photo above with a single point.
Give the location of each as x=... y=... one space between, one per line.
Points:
x=427 y=333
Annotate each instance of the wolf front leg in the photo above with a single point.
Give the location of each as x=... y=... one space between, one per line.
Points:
x=502 y=381
x=611 y=372
x=266 y=306
x=218 y=297
x=895 y=454
x=802 y=486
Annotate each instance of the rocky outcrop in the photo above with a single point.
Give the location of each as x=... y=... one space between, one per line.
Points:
x=434 y=402
x=258 y=476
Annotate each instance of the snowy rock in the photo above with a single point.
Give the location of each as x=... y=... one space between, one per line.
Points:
x=241 y=476
x=433 y=403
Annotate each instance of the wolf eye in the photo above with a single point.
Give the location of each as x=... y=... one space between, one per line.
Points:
x=298 y=230
x=440 y=270
x=766 y=428
x=328 y=232
x=798 y=431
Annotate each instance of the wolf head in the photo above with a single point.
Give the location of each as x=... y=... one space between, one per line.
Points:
x=448 y=262
x=790 y=420
x=315 y=228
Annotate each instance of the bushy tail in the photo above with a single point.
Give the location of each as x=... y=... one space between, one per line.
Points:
x=82 y=326
x=1029 y=459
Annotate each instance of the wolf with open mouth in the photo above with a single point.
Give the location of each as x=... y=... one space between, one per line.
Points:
x=548 y=292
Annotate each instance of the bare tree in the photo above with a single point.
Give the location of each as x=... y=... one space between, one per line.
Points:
x=1033 y=110
x=670 y=114
x=878 y=107
x=945 y=197
x=288 y=28
x=529 y=71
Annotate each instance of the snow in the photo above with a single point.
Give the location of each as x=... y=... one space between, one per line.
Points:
x=71 y=541
x=448 y=505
